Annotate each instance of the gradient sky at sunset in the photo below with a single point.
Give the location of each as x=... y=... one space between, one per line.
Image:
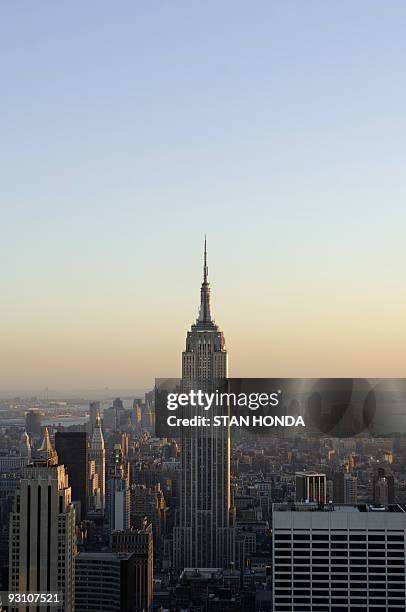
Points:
x=130 y=129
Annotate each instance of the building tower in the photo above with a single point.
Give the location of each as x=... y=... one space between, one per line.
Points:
x=338 y=558
x=94 y=410
x=117 y=492
x=98 y=454
x=104 y=582
x=140 y=543
x=311 y=487
x=383 y=487
x=42 y=534
x=345 y=488
x=33 y=422
x=202 y=536
x=25 y=446
x=72 y=448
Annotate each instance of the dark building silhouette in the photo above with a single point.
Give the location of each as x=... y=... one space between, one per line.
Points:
x=383 y=488
x=338 y=487
x=72 y=450
x=118 y=403
x=33 y=422
x=104 y=581
x=139 y=542
x=344 y=488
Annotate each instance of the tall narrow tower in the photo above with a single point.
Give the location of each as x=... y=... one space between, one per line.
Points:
x=202 y=537
x=98 y=454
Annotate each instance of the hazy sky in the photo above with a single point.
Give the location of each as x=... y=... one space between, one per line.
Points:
x=128 y=129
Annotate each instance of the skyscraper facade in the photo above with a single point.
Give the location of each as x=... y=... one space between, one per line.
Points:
x=140 y=543
x=72 y=450
x=117 y=492
x=42 y=533
x=338 y=558
x=202 y=537
x=104 y=582
x=345 y=488
x=311 y=487
x=98 y=455
x=383 y=487
x=33 y=422
x=94 y=411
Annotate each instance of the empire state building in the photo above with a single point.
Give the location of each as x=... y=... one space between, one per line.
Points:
x=202 y=536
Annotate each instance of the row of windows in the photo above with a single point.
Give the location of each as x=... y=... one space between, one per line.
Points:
x=335 y=536
x=344 y=584
x=392 y=607
x=355 y=576
x=338 y=546
x=335 y=558
x=335 y=593
x=322 y=608
x=351 y=561
x=352 y=552
x=356 y=600
x=338 y=573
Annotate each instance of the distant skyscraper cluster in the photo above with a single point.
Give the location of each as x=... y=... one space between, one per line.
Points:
x=114 y=519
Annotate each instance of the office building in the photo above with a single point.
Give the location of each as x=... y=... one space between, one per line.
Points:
x=42 y=534
x=311 y=487
x=383 y=487
x=97 y=454
x=94 y=412
x=202 y=536
x=140 y=543
x=350 y=489
x=72 y=449
x=338 y=558
x=118 y=492
x=104 y=582
x=110 y=419
x=33 y=422
x=148 y=503
x=345 y=488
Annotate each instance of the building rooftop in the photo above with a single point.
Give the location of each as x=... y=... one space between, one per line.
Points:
x=102 y=556
x=202 y=572
x=309 y=473
x=313 y=507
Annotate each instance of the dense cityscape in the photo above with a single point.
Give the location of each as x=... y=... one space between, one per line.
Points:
x=96 y=508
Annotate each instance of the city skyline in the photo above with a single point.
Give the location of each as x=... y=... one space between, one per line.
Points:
x=203 y=339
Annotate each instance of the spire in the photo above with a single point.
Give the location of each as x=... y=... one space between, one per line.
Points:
x=25 y=445
x=46 y=450
x=205 y=268
x=46 y=442
x=204 y=319
x=97 y=438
